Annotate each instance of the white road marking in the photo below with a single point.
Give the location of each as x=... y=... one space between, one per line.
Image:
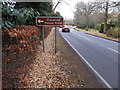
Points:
x=114 y=50
x=102 y=79
x=84 y=37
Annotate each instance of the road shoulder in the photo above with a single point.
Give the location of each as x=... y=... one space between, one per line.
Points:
x=64 y=69
x=78 y=71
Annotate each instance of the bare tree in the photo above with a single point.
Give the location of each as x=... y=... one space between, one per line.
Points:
x=95 y=12
x=110 y=7
x=106 y=17
x=83 y=12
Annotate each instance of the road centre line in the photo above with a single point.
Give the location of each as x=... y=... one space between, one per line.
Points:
x=101 y=45
x=101 y=78
x=84 y=37
x=110 y=49
x=114 y=50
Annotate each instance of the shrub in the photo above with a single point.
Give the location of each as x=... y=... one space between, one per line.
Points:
x=21 y=13
x=97 y=27
x=113 y=33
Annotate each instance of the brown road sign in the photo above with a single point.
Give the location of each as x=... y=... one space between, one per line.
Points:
x=40 y=21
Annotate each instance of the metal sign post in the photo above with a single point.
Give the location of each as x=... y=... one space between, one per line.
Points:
x=49 y=21
x=55 y=39
x=43 y=38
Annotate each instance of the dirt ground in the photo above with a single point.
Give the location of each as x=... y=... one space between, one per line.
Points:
x=64 y=69
x=60 y=70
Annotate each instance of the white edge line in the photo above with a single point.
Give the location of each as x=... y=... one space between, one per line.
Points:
x=103 y=80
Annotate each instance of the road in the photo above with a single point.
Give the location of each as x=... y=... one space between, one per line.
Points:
x=101 y=55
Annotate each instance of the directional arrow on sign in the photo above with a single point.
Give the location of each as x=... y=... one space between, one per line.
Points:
x=40 y=21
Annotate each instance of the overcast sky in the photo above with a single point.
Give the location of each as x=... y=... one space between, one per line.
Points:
x=67 y=11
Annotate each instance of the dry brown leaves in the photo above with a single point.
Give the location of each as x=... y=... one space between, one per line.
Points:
x=19 y=48
x=45 y=71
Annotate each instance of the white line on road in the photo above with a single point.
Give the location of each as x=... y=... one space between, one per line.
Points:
x=114 y=50
x=103 y=80
x=85 y=38
x=82 y=36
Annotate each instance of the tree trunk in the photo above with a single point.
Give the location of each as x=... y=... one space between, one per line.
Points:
x=106 y=18
x=119 y=20
x=87 y=22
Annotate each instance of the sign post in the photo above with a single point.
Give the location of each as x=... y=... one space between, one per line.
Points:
x=49 y=21
x=43 y=38
x=55 y=39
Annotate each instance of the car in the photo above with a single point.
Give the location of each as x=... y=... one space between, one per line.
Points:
x=74 y=27
x=65 y=28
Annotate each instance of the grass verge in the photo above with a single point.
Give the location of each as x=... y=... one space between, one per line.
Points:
x=96 y=33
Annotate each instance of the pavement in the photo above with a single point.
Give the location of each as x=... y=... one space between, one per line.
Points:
x=100 y=54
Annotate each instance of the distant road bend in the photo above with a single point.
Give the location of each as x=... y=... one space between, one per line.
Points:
x=101 y=55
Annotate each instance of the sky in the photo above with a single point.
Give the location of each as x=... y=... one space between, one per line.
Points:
x=67 y=7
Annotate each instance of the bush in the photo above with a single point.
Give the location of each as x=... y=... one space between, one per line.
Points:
x=101 y=29
x=19 y=40
x=97 y=27
x=113 y=33
x=116 y=28
x=21 y=13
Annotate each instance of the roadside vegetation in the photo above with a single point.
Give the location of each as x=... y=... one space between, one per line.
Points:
x=49 y=70
x=99 y=18
x=21 y=38
x=22 y=13
x=19 y=25
x=19 y=32
x=112 y=35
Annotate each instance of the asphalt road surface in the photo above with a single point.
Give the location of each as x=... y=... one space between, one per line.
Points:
x=100 y=54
